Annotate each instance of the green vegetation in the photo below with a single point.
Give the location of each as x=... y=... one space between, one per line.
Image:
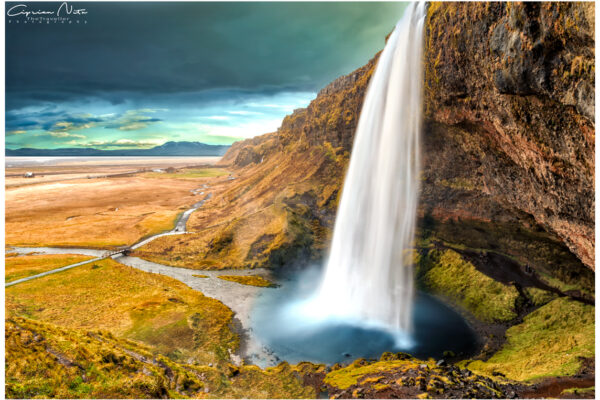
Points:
x=44 y=360
x=351 y=375
x=189 y=173
x=252 y=280
x=402 y=376
x=24 y=266
x=151 y=308
x=551 y=259
x=579 y=391
x=121 y=332
x=447 y=274
x=549 y=342
x=539 y=297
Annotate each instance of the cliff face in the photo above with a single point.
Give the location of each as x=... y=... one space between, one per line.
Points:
x=508 y=140
x=512 y=88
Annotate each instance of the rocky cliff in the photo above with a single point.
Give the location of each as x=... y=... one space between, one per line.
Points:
x=511 y=86
x=506 y=211
x=508 y=138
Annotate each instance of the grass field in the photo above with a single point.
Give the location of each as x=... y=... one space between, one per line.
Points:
x=99 y=213
x=110 y=331
x=44 y=360
x=24 y=266
x=153 y=309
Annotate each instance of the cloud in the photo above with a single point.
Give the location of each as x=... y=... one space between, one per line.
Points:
x=67 y=126
x=243 y=112
x=61 y=134
x=214 y=46
x=24 y=120
x=133 y=120
x=218 y=117
x=16 y=132
x=120 y=143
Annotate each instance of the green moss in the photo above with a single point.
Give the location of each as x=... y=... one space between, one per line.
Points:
x=459 y=183
x=549 y=257
x=579 y=391
x=345 y=377
x=549 y=342
x=539 y=297
x=446 y=273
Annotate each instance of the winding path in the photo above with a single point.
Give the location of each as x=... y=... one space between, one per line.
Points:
x=238 y=297
x=179 y=229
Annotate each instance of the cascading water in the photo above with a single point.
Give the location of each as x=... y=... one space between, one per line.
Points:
x=368 y=276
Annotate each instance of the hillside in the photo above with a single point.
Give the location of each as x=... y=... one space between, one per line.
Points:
x=507 y=199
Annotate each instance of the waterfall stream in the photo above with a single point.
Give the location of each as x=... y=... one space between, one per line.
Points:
x=368 y=276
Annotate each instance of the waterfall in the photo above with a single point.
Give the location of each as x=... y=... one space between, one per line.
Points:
x=369 y=276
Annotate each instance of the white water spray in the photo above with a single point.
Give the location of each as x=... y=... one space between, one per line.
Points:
x=369 y=277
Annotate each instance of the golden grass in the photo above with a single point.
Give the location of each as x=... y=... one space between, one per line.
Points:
x=199 y=276
x=99 y=213
x=154 y=309
x=259 y=219
x=24 y=266
x=251 y=280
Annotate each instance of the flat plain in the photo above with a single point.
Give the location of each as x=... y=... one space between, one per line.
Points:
x=103 y=212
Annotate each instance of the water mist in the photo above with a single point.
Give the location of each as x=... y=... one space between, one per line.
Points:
x=368 y=276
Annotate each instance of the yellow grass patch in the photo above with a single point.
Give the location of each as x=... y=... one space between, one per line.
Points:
x=154 y=309
x=252 y=280
x=24 y=266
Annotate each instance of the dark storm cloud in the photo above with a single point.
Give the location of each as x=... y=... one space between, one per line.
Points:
x=129 y=50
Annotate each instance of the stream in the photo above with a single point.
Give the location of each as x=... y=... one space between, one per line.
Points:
x=270 y=326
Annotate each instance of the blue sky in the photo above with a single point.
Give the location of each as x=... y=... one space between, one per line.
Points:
x=135 y=75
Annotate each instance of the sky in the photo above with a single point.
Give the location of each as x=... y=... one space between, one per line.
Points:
x=114 y=75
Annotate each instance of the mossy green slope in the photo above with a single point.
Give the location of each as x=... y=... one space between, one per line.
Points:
x=549 y=342
x=447 y=274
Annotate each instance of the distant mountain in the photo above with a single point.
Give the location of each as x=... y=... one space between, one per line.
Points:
x=168 y=149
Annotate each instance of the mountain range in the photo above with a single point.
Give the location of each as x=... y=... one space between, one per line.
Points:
x=166 y=149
